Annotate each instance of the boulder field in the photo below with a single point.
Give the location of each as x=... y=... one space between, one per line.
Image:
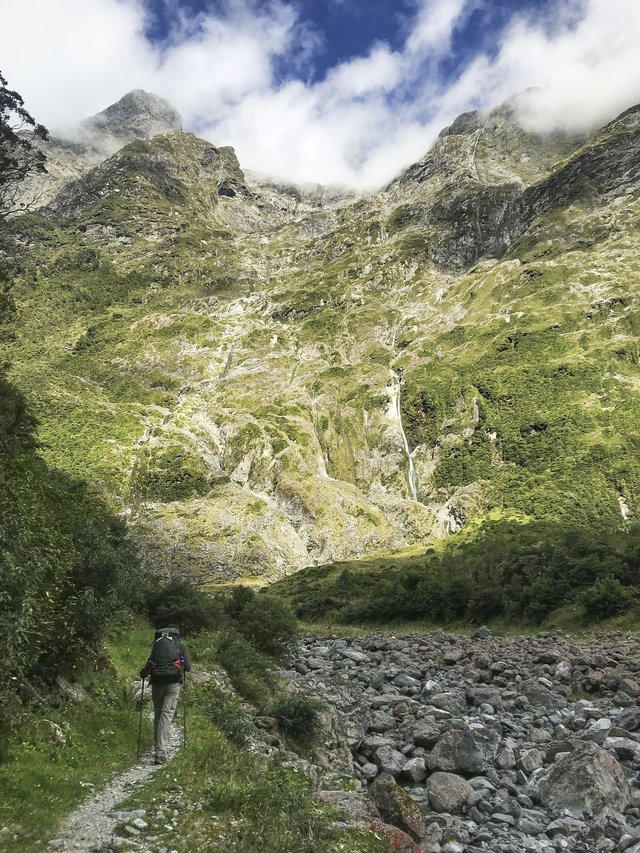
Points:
x=456 y=744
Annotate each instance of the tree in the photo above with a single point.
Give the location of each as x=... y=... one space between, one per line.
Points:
x=19 y=156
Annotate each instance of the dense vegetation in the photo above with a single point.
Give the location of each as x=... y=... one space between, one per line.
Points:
x=518 y=572
x=67 y=567
x=71 y=742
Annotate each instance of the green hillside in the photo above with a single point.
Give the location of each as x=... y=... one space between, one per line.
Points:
x=231 y=364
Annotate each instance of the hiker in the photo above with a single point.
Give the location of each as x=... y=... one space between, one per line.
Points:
x=166 y=665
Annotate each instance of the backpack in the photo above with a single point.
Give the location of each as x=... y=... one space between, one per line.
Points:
x=165 y=657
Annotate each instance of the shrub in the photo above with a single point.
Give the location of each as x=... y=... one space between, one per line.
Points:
x=605 y=598
x=269 y=624
x=181 y=603
x=228 y=713
x=240 y=597
x=250 y=672
x=297 y=714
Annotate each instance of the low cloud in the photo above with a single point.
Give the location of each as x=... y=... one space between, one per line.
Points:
x=240 y=76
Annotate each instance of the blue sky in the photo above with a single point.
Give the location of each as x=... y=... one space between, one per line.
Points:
x=332 y=91
x=347 y=28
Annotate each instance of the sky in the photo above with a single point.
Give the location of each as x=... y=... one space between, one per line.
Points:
x=345 y=92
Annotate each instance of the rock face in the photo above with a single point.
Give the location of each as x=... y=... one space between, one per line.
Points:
x=264 y=377
x=528 y=777
x=137 y=115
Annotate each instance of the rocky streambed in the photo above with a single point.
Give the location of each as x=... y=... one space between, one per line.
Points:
x=462 y=744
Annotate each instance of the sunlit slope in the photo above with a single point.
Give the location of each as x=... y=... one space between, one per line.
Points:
x=235 y=367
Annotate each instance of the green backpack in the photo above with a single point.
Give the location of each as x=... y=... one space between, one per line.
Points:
x=165 y=657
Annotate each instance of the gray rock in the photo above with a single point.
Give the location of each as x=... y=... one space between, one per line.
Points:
x=624 y=747
x=466 y=751
x=369 y=771
x=485 y=695
x=404 y=680
x=506 y=759
x=354 y=655
x=448 y=792
x=453 y=702
x=425 y=733
x=629 y=719
x=414 y=770
x=541 y=697
x=381 y=722
x=389 y=760
x=598 y=731
x=530 y=759
x=585 y=782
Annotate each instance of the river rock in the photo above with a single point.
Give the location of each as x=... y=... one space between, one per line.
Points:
x=398 y=841
x=389 y=760
x=465 y=751
x=414 y=770
x=584 y=782
x=397 y=808
x=448 y=792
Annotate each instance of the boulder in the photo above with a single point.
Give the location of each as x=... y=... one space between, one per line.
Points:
x=448 y=792
x=389 y=760
x=398 y=841
x=381 y=722
x=541 y=697
x=629 y=720
x=485 y=696
x=466 y=751
x=584 y=782
x=425 y=733
x=397 y=808
x=598 y=731
x=414 y=770
x=358 y=806
x=454 y=703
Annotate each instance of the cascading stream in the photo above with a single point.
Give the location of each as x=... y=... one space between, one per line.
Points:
x=394 y=396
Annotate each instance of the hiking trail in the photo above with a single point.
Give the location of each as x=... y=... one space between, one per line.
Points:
x=92 y=826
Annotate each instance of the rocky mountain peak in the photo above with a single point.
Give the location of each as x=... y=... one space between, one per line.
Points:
x=137 y=115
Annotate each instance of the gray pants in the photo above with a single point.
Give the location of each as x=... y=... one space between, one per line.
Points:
x=165 y=702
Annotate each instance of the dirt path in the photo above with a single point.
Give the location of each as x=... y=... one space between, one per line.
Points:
x=91 y=827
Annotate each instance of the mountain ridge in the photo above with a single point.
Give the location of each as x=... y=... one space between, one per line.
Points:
x=246 y=372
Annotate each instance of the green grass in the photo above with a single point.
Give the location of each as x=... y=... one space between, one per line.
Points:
x=225 y=795
x=41 y=783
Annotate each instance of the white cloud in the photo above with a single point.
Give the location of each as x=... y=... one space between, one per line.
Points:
x=369 y=116
x=433 y=25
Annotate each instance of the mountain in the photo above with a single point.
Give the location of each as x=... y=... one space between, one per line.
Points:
x=261 y=377
x=137 y=115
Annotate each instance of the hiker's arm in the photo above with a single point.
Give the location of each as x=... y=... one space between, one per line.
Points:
x=146 y=669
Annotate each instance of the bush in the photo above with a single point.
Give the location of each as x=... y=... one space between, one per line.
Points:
x=605 y=598
x=240 y=597
x=181 y=603
x=297 y=714
x=250 y=672
x=269 y=624
x=228 y=713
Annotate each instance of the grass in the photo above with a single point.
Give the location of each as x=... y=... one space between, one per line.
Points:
x=221 y=795
x=41 y=783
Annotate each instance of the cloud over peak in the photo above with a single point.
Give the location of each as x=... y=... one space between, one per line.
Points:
x=240 y=73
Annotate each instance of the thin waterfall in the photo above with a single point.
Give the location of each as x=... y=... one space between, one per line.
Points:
x=412 y=477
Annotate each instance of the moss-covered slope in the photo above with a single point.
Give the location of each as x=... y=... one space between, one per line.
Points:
x=234 y=364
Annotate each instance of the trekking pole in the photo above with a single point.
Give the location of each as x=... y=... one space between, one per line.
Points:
x=140 y=725
x=184 y=711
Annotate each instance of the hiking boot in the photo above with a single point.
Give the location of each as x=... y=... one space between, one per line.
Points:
x=160 y=759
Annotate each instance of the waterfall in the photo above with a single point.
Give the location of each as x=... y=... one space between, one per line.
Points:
x=394 y=398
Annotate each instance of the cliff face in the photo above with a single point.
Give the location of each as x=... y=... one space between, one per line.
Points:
x=261 y=377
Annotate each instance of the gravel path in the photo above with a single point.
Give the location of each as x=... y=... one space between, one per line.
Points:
x=91 y=827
